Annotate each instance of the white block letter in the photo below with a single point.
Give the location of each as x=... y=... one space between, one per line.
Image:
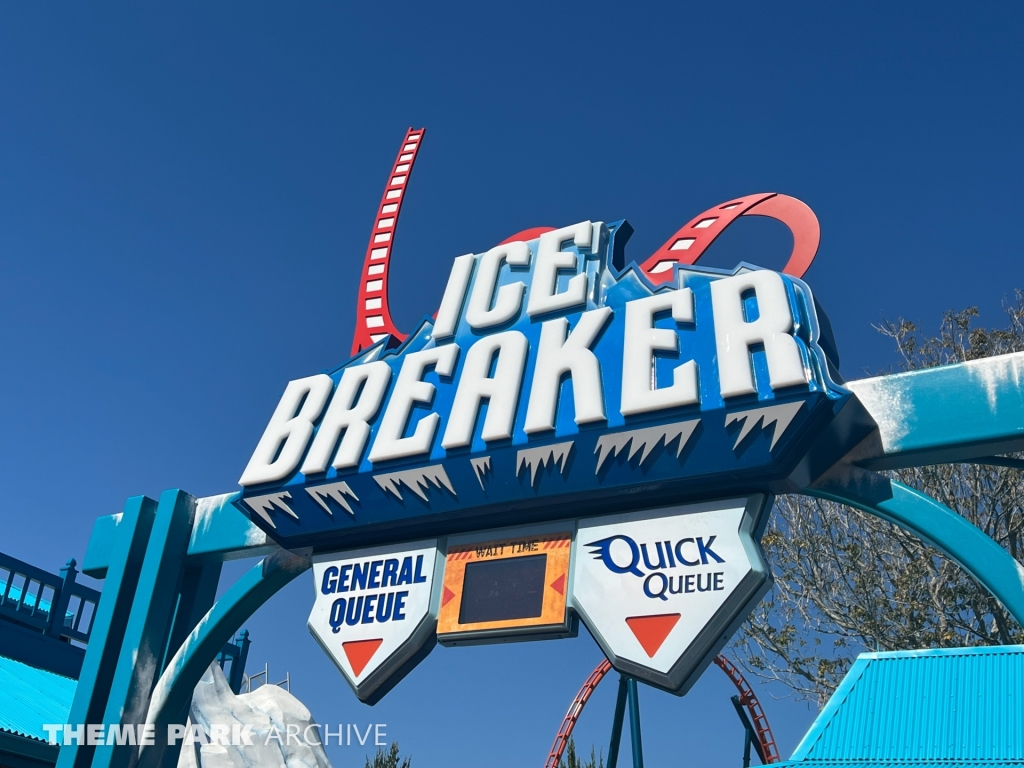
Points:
x=557 y=355
x=773 y=328
x=550 y=259
x=509 y=300
x=642 y=340
x=291 y=425
x=351 y=417
x=454 y=297
x=501 y=391
x=220 y=733
x=121 y=735
x=409 y=390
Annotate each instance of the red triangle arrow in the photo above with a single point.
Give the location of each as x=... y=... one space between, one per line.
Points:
x=651 y=631
x=447 y=596
x=359 y=653
x=559 y=584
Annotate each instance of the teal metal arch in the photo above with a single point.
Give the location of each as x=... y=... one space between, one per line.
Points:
x=952 y=534
x=173 y=692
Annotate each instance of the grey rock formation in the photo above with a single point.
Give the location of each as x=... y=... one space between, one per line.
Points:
x=270 y=711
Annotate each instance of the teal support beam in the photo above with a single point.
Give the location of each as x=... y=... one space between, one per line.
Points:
x=149 y=624
x=238 y=662
x=947 y=414
x=195 y=597
x=128 y=548
x=620 y=715
x=220 y=533
x=99 y=551
x=173 y=692
x=938 y=525
x=223 y=533
x=634 y=724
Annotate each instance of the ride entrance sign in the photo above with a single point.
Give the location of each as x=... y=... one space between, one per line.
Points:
x=557 y=396
x=662 y=592
x=553 y=374
x=553 y=378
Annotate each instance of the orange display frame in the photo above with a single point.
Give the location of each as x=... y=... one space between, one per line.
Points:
x=554 y=619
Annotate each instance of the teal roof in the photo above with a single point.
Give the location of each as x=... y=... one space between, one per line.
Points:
x=30 y=697
x=946 y=707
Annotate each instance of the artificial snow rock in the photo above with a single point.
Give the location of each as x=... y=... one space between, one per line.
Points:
x=265 y=709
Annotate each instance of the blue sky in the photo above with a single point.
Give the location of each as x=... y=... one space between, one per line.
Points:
x=186 y=194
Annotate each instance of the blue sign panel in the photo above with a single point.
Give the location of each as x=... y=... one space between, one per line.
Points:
x=552 y=382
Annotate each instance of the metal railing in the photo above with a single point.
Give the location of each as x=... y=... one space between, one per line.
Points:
x=52 y=604
x=248 y=680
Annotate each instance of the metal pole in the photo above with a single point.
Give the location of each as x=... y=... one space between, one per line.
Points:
x=620 y=712
x=59 y=605
x=634 y=725
x=748 y=737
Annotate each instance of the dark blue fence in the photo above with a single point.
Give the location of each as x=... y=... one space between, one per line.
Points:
x=53 y=604
x=46 y=617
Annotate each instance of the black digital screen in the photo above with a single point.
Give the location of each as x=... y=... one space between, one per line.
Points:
x=499 y=590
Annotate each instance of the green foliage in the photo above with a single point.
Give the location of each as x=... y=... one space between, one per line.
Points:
x=571 y=760
x=846 y=582
x=389 y=759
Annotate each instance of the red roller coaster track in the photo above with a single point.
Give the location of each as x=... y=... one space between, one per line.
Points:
x=757 y=716
x=569 y=721
x=747 y=698
x=373 y=317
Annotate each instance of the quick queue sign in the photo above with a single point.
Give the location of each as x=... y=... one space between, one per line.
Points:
x=662 y=591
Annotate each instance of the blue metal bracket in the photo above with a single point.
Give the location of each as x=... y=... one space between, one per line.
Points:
x=220 y=533
x=145 y=638
x=620 y=713
x=634 y=724
x=128 y=547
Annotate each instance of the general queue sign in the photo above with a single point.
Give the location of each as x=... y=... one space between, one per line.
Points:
x=373 y=612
